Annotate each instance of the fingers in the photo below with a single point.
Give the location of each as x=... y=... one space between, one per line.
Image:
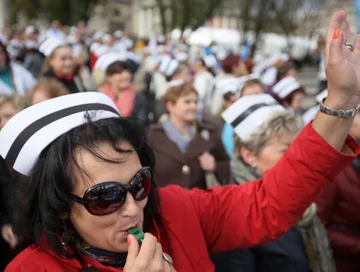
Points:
x=335 y=23
x=148 y=248
x=345 y=27
x=335 y=49
x=348 y=38
x=158 y=261
x=133 y=250
x=168 y=267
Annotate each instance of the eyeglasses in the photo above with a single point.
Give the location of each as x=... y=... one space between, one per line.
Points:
x=108 y=197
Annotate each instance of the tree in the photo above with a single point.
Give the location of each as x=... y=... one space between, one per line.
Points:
x=184 y=14
x=286 y=14
x=66 y=11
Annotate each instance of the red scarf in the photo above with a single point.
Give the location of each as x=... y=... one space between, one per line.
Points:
x=125 y=102
x=68 y=77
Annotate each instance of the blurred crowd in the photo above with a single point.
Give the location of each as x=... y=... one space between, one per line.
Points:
x=188 y=99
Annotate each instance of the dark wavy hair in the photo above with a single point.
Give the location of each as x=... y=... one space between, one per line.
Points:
x=44 y=197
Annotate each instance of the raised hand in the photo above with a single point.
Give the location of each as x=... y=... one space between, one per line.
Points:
x=343 y=75
x=342 y=64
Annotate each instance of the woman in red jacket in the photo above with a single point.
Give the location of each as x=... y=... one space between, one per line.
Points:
x=338 y=207
x=90 y=181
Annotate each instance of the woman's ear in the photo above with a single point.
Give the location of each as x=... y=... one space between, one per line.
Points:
x=248 y=157
x=169 y=106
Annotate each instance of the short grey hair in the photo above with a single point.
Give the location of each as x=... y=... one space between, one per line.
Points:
x=277 y=124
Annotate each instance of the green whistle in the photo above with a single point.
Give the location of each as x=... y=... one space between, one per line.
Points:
x=137 y=233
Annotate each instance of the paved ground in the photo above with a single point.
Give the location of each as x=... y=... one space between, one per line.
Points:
x=308 y=78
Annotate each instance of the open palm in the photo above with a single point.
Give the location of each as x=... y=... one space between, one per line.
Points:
x=342 y=63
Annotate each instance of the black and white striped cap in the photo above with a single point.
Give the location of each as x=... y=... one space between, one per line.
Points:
x=29 y=132
x=249 y=112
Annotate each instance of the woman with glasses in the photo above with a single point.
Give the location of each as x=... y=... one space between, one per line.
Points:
x=90 y=183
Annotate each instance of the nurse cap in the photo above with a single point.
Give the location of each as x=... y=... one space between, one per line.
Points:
x=49 y=46
x=103 y=63
x=286 y=86
x=168 y=65
x=30 y=131
x=228 y=85
x=249 y=112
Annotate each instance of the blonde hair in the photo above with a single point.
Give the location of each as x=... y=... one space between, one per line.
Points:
x=14 y=99
x=277 y=124
x=99 y=78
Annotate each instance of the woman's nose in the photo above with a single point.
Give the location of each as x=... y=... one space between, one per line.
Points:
x=130 y=207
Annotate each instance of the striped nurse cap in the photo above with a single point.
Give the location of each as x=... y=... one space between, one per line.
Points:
x=249 y=112
x=30 y=131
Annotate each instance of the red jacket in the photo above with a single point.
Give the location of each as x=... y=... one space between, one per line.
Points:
x=196 y=223
x=338 y=207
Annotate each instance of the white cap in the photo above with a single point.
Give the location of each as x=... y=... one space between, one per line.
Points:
x=106 y=38
x=249 y=112
x=101 y=50
x=286 y=86
x=228 y=85
x=242 y=80
x=118 y=34
x=210 y=61
x=182 y=56
x=168 y=65
x=98 y=35
x=30 y=44
x=103 y=63
x=266 y=63
x=71 y=39
x=49 y=46
x=260 y=67
x=78 y=49
x=94 y=46
x=272 y=59
x=30 y=30
x=30 y=131
x=175 y=83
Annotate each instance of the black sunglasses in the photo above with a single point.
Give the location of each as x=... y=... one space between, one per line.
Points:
x=108 y=197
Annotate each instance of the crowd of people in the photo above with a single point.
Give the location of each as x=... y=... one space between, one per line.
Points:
x=212 y=118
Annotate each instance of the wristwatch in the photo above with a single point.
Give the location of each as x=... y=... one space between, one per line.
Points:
x=338 y=113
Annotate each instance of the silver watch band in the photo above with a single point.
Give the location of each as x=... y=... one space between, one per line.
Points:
x=338 y=113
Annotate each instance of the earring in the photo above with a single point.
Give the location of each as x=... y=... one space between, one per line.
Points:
x=67 y=240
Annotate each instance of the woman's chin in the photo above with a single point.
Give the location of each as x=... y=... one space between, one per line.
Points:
x=190 y=118
x=119 y=244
